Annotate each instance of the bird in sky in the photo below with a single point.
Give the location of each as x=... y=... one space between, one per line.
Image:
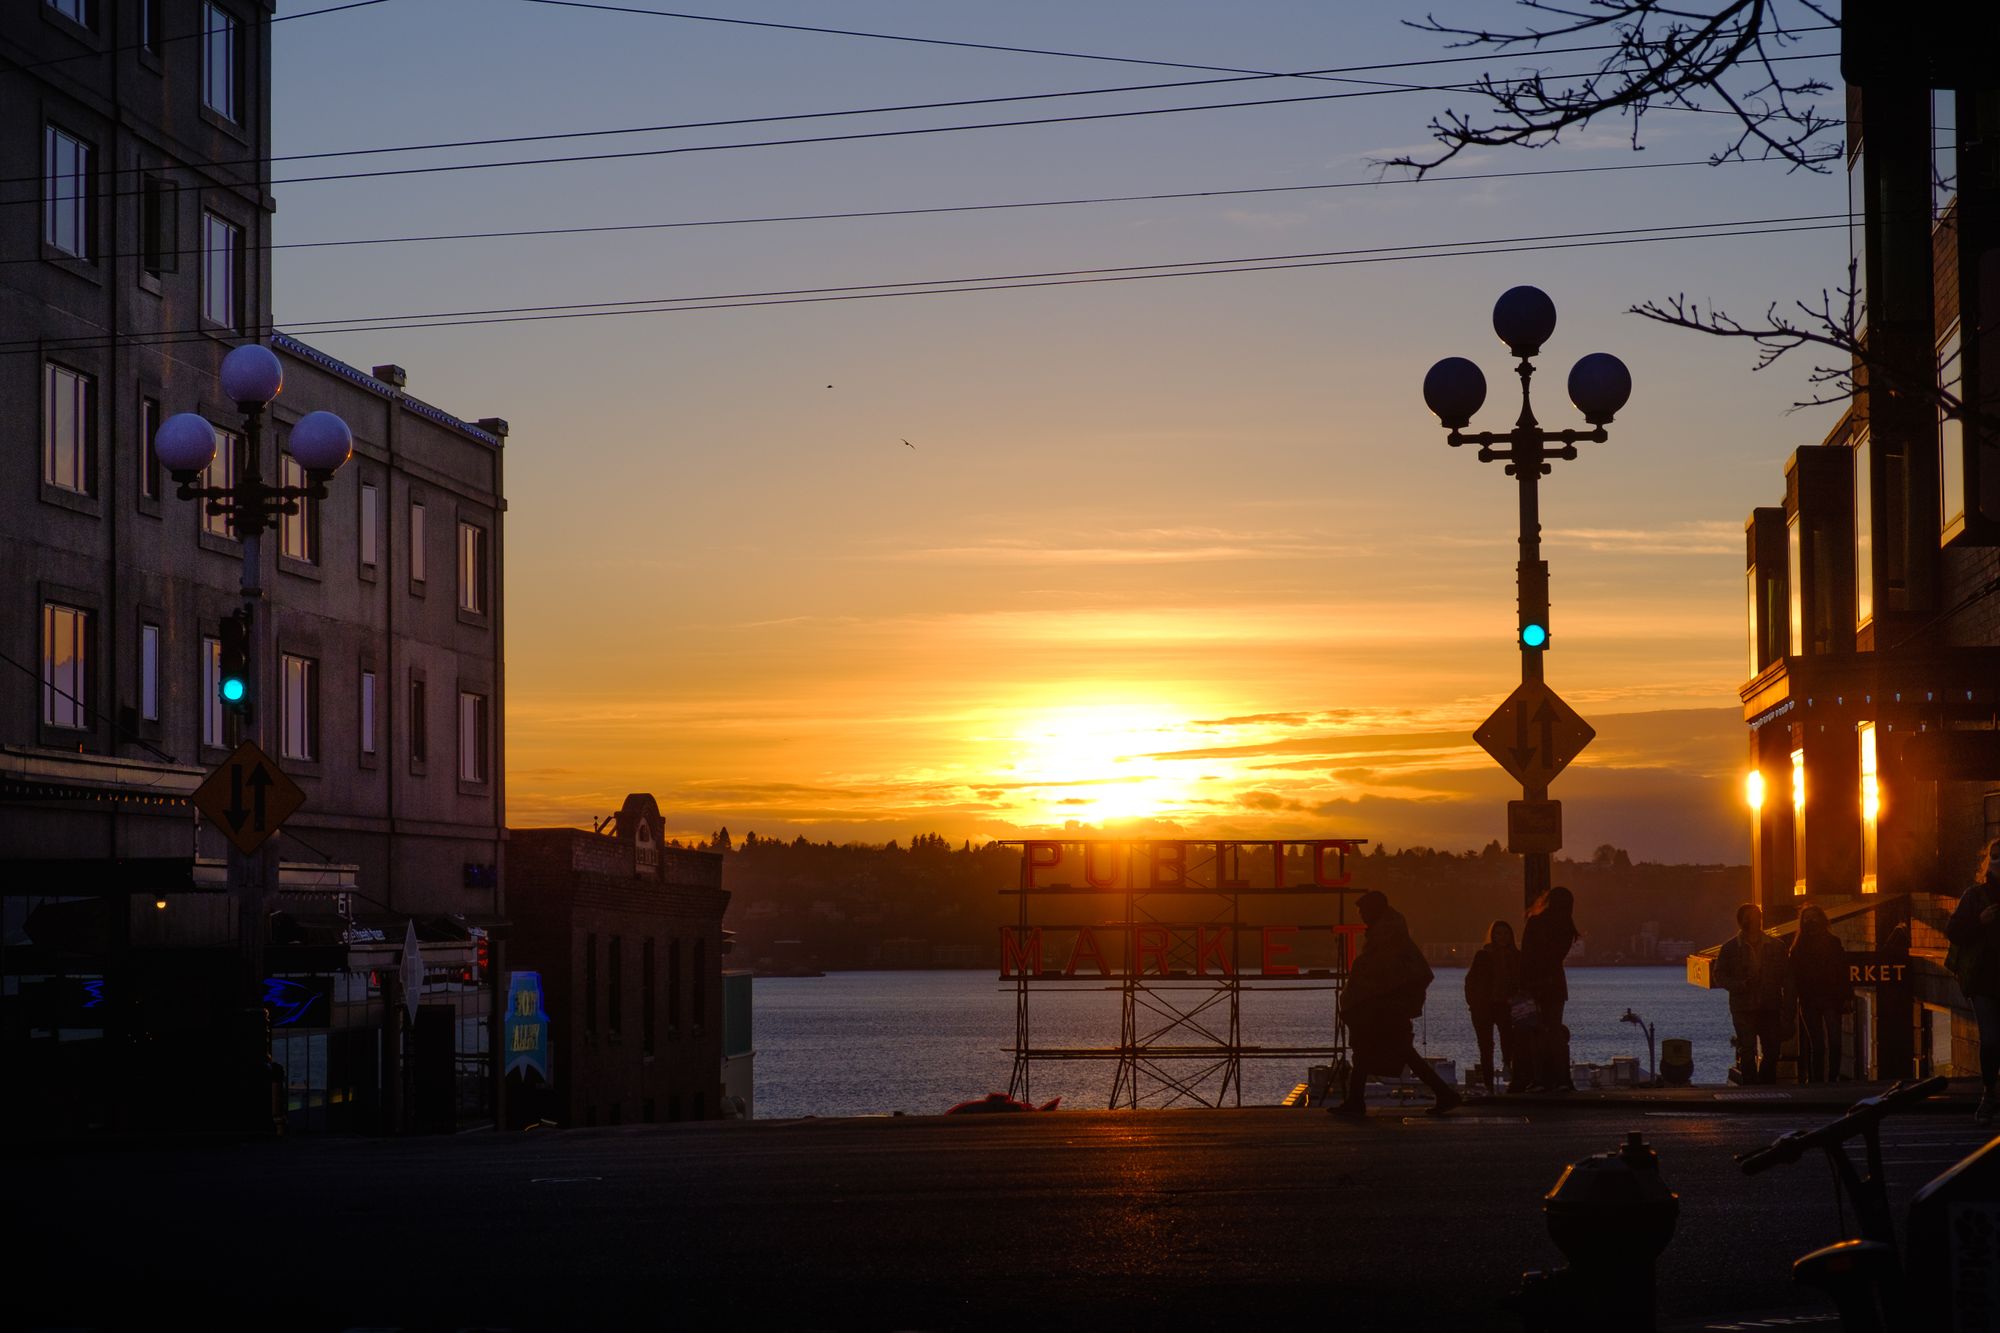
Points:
x=908 y=444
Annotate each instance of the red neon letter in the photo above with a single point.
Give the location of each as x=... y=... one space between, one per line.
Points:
x=1176 y=864
x=1275 y=949
x=1086 y=947
x=1090 y=875
x=1346 y=935
x=1209 y=945
x=1013 y=957
x=1149 y=942
x=1035 y=861
x=1319 y=864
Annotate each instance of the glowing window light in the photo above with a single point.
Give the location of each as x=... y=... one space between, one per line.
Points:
x=1871 y=805
x=1799 y=822
x=1753 y=789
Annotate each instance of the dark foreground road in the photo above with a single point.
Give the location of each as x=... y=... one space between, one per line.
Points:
x=1106 y=1220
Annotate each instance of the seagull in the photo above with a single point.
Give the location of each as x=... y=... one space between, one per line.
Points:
x=908 y=444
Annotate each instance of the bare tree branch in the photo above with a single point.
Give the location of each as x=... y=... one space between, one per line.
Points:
x=1665 y=56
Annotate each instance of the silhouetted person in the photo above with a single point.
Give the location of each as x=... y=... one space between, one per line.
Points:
x=1545 y=941
x=1819 y=977
x=1491 y=984
x=1974 y=958
x=1385 y=991
x=1751 y=966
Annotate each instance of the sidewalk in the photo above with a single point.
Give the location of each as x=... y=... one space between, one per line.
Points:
x=1829 y=1099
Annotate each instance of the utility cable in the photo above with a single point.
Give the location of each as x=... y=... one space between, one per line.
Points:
x=94 y=715
x=180 y=37
x=1076 y=202
x=862 y=294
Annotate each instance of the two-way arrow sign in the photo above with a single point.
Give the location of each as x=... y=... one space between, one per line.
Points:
x=1534 y=735
x=248 y=797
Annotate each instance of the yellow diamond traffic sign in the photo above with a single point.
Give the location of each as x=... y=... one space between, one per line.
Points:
x=248 y=797
x=1534 y=735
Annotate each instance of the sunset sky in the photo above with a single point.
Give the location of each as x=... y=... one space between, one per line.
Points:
x=1182 y=553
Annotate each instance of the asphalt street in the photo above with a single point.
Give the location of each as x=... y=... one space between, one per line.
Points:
x=1197 y=1219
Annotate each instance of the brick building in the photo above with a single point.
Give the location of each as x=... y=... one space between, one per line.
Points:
x=1874 y=587
x=626 y=934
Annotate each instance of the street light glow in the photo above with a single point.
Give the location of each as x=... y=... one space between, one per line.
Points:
x=1753 y=789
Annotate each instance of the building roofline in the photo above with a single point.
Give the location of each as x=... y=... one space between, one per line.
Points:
x=284 y=342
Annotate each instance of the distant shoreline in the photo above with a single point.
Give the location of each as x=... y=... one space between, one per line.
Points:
x=1319 y=974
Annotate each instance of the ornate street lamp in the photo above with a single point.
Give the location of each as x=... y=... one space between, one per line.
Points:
x=1599 y=385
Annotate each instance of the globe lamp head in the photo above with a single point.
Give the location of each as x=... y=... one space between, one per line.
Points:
x=1454 y=389
x=251 y=374
x=1599 y=385
x=321 y=442
x=1524 y=317
x=185 y=443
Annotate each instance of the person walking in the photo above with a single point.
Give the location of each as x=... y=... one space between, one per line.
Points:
x=1545 y=941
x=1490 y=986
x=1751 y=966
x=1385 y=991
x=1819 y=976
x=1974 y=958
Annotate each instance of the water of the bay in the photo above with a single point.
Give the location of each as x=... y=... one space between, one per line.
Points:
x=862 y=1043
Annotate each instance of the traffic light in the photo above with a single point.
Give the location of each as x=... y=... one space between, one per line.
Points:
x=233 y=680
x=482 y=955
x=1534 y=635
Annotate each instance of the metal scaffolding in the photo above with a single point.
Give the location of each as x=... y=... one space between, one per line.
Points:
x=1179 y=936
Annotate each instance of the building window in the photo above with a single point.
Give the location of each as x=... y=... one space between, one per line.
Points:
x=301 y=707
x=614 y=987
x=221 y=263
x=211 y=692
x=698 y=965
x=1864 y=533
x=419 y=724
x=673 y=989
x=221 y=472
x=67 y=428
x=416 y=543
x=298 y=534
x=149 y=461
x=1951 y=434
x=590 y=982
x=1871 y=804
x=472 y=738
x=149 y=25
x=1798 y=590
x=1799 y=822
x=159 y=226
x=65 y=666
x=647 y=1005
x=1944 y=150
x=368 y=512
x=368 y=712
x=76 y=11
x=218 y=61
x=66 y=200
x=149 y=672
x=472 y=568
x=1750 y=604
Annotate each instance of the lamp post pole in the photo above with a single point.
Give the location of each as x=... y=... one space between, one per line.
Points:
x=1455 y=388
x=251 y=377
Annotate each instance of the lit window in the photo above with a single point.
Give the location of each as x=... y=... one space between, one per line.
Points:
x=221 y=261
x=66 y=193
x=65 y=666
x=471 y=568
x=1871 y=805
x=417 y=543
x=149 y=672
x=1864 y=533
x=66 y=429
x=301 y=707
x=368 y=712
x=218 y=61
x=211 y=692
x=1798 y=822
x=221 y=473
x=1750 y=603
x=1794 y=566
x=368 y=512
x=298 y=534
x=1951 y=433
x=472 y=737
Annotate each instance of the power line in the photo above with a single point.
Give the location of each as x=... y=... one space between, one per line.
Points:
x=181 y=37
x=1082 y=201
x=1065 y=55
x=936 y=287
x=804 y=140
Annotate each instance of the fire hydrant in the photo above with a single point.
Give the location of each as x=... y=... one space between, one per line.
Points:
x=1611 y=1215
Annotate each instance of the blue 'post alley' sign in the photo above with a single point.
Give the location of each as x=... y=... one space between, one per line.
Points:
x=527 y=1028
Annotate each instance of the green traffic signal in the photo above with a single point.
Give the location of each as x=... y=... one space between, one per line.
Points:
x=1534 y=636
x=233 y=672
